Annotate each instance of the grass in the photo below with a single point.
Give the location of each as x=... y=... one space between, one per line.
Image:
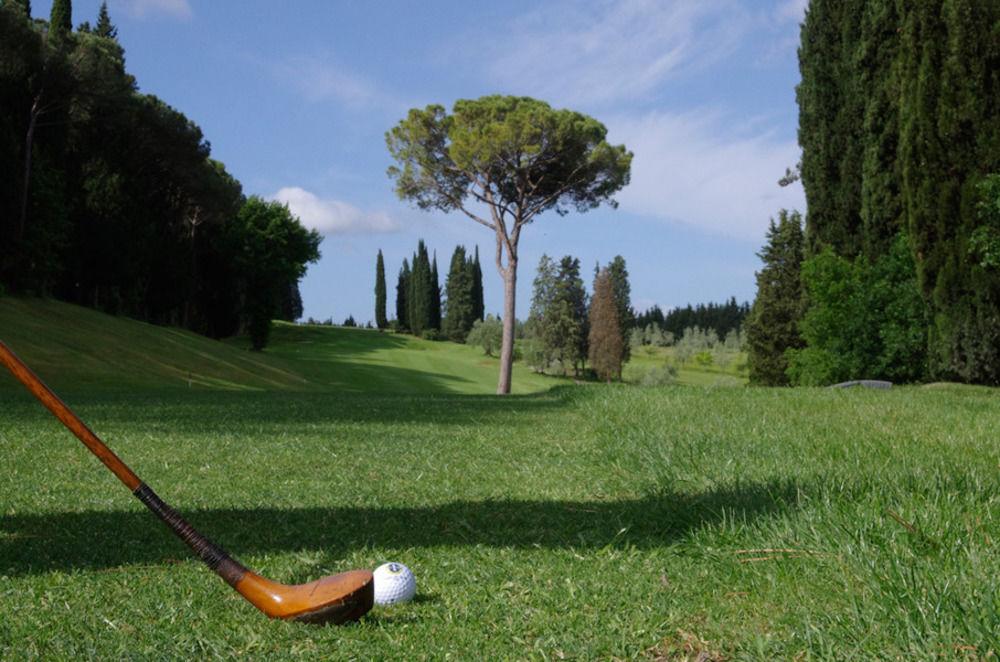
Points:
x=74 y=347
x=581 y=522
x=690 y=374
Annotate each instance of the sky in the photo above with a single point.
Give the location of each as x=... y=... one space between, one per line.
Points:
x=296 y=97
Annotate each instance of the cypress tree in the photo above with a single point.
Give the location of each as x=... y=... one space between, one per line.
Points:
x=831 y=113
x=61 y=19
x=403 y=297
x=458 y=289
x=380 y=318
x=478 y=304
x=540 y=315
x=623 y=302
x=950 y=139
x=773 y=325
x=605 y=337
x=566 y=324
x=105 y=28
x=435 y=291
x=421 y=293
x=878 y=74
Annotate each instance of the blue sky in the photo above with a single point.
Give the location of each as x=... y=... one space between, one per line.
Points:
x=296 y=97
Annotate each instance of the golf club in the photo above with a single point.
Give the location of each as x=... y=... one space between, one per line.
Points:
x=334 y=599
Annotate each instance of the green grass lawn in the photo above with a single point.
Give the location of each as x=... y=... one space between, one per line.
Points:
x=74 y=347
x=690 y=374
x=580 y=522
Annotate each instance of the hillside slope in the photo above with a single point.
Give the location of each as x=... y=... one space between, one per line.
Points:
x=77 y=348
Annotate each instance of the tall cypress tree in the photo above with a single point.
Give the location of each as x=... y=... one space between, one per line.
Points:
x=61 y=19
x=105 y=28
x=420 y=291
x=380 y=318
x=566 y=325
x=623 y=303
x=950 y=139
x=831 y=113
x=435 y=292
x=458 y=289
x=773 y=325
x=403 y=297
x=605 y=336
x=877 y=71
x=478 y=304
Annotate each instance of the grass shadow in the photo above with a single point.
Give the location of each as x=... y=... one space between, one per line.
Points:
x=95 y=540
x=184 y=412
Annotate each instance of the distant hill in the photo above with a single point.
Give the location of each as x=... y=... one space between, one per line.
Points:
x=77 y=348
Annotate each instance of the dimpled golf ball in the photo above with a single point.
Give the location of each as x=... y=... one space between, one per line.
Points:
x=394 y=583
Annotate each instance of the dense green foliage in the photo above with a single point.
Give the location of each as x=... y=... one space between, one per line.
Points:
x=908 y=92
x=403 y=297
x=108 y=197
x=772 y=328
x=847 y=525
x=271 y=255
x=604 y=340
x=516 y=156
x=863 y=319
x=380 y=296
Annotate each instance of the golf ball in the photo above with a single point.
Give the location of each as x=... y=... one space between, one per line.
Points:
x=394 y=583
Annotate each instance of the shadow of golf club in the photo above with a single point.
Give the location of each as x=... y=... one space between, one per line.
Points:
x=32 y=543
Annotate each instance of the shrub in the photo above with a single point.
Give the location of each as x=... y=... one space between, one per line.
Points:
x=487 y=334
x=661 y=376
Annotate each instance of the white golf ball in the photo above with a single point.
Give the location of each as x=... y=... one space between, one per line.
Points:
x=394 y=583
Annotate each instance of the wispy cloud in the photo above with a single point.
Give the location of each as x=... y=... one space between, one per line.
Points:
x=329 y=216
x=612 y=51
x=323 y=78
x=691 y=168
x=149 y=8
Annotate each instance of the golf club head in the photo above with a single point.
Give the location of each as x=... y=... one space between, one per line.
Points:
x=333 y=599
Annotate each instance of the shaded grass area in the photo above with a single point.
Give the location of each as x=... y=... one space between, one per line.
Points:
x=76 y=348
x=587 y=522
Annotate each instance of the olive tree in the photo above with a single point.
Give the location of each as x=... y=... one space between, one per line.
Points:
x=501 y=161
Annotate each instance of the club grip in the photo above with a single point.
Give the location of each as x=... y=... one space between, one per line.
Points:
x=214 y=556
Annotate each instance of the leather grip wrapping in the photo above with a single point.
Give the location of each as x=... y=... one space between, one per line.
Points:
x=214 y=556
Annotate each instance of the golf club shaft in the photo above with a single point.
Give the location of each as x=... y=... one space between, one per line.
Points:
x=214 y=556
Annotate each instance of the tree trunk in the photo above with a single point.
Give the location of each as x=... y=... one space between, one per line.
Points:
x=507 y=344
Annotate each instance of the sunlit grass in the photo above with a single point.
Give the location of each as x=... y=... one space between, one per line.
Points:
x=586 y=522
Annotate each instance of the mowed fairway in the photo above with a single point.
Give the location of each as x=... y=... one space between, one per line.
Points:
x=577 y=522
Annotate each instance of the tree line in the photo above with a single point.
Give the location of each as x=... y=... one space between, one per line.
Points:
x=723 y=318
x=422 y=307
x=896 y=272
x=109 y=198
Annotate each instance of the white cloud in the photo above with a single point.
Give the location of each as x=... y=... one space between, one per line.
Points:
x=146 y=8
x=690 y=168
x=329 y=216
x=320 y=79
x=613 y=50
